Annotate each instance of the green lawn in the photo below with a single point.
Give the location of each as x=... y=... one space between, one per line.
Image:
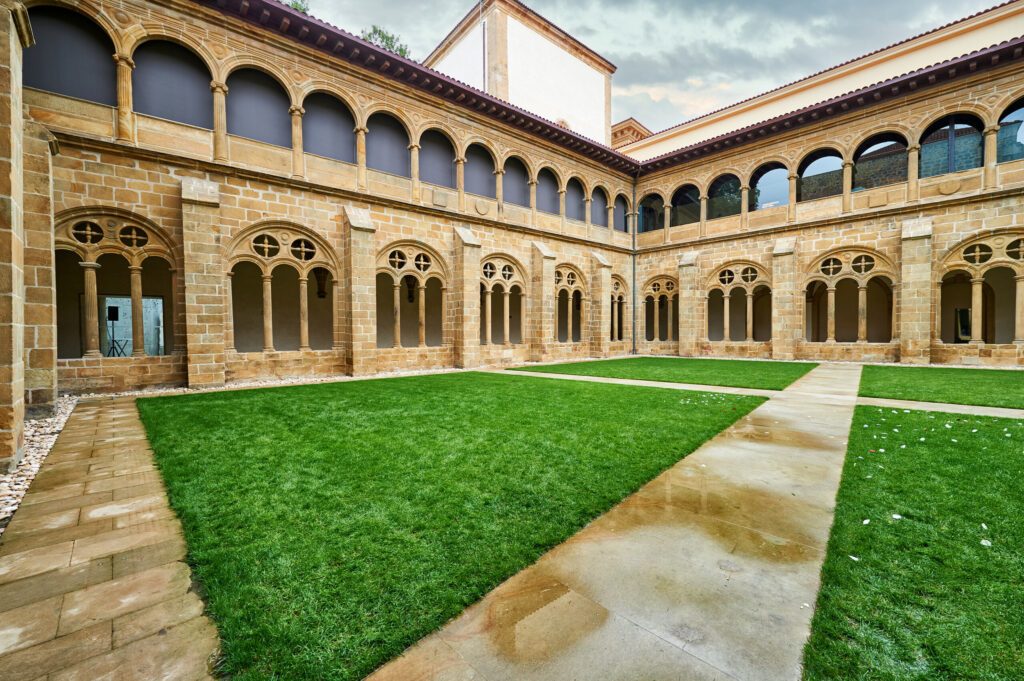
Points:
x=987 y=387
x=333 y=525
x=736 y=373
x=926 y=600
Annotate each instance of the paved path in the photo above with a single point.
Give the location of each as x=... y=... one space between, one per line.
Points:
x=710 y=571
x=973 y=410
x=92 y=579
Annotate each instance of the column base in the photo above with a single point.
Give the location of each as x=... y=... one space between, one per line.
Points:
x=92 y=354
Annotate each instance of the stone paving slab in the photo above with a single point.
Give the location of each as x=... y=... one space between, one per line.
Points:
x=970 y=409
x=93 y=579
x=729 y=390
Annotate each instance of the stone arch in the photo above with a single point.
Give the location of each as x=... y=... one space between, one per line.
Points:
x=321 y=87
x=91 y=10
x=240 y=62
x=741 y=276
x=410 y=248
x=995 y=248
x=907 y=132
x=147 y=32
x=241 y=247
x=393 y=111
x=849 y=265
x=660 y=300
x=503 y=285
x=756 y=165
x=111 y=221
x=982 y=113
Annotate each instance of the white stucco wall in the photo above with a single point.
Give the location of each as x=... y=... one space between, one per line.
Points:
x=465 y=60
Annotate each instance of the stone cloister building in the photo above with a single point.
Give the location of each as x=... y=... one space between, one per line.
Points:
x=196 y=193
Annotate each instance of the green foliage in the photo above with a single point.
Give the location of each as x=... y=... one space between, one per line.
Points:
x=333 y=525
x=389 y=41
x=300 y=5
x=926 y=600
x=986 y=387
x=736 y=373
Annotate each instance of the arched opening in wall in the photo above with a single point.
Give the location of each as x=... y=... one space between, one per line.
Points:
x=664 y=304
x=847 y=313
x=955 y=306
x=620 y=213
x=577 y=316
x=880 y=160
x=157 y=307
x=1010 y=138
x=547 y=192
x=716 y=315
x=484 y=337
x=257 y=108
x=650 y=314
x=762 y=314
x=72 y=56
x=515 y=312
x=1000 y=305
x=769 y=187
x=478 y=172
x=738 y=314
x=880 y=302
x=621 y=318
x=498 y=314
x=674 y=322
x=113 y=285
x=725 y=197
x=385 y=310
x=328 y=128
x=171 y=82
x=651 y=214
x=437 y=159
x=434 y=323
x=598 y=208
x=820 y=175
x=284 y=297
x=247 y=306
x=387 y=145
x=952 y=144
x=320 y=306
x=575 y=200
x=516 y=183
x=816 y=312
x=562 y=330
x=70 y=293
x=409 y=310
x=685 y=205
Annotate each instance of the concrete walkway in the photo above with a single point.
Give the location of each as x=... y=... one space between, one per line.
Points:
x=93 y=583
x=710 y=571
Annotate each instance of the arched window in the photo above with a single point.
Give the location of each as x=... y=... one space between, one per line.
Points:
x=258 y=108
x=575 y=203
x=685 y=205
x=547 y=192
x=409 y=291
x=620 y=213
x=437 y=159
x=516 y=183
x=1010 y=139
x=478 y=173
x=171 y=82
x=879 y=161
x=724 y=197
x=651 y=214
x=599 y=208
x=328 y=128
x=952 y=144
x=769 y=187
x=387 y=145
x=820 y=175
x=72 y=56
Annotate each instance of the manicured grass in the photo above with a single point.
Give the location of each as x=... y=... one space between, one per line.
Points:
x=987 y=387
x=333 y=525
x=735 y=373
x=926 y=600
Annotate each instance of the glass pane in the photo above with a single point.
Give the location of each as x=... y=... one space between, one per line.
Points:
x=1010 y=139
x=880 y=164
x=153 y=325
x=115 y=326
x=686 y=206
x=968 y=147
x=724 y=198
x=935 y=154
x=771 y=189
x=822 y=177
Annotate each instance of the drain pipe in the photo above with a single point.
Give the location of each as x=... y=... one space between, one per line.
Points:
x=633 y=285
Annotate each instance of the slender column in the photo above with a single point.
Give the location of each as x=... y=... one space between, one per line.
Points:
x=298 y=155
x=666 y=221
x=830 y=312
x=913 y=171
x=847 y=185
x=220 y=121
x=894 y=331
x=586 y=212
x=611 y=217
x=507 y=319
x=668 y=312
x=990 y=152
x=414 y=170
x=657 y=319
x=229 y=328
x=422 y=323
x=584 y=336
x=338 y=341
x=561 y=207
x=304 y=313
x=744 y=206
x=268 y=313
x=125 y=66
x=533 y=202
x=138 y=333
x=862 y=314
x=616 y=311
x=92 y=310
x=522 y=317
x=1018 y=336
x=726 y=335
x=750 y=317
x=460 y=182
x=568 y=325
x=499 y=191
x=398 y=315
x=977 y=303
x=791 y=216
x=486 y=340
x=703 y=214
x=360 y=131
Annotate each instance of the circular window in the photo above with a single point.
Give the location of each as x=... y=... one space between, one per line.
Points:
x=748 y=274
x=422 y=262
x=266 y=246
x=489 y=270
x=656 y=287
x=303 y=249
x=133 y=237
x=726 y=276
x=670 y=286
x=570 y=278
x=507 y=272
x=863 y=264
x=87 y=232
x=831 y=266
x=558 y=278
x=1016 y=249
x=615 y=286
x=978 y=254
x=396 y=259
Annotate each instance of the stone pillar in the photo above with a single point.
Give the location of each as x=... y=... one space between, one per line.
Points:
x=726 y=331
x=414 y=170
x=666 y=221
x=668 y=316
x=744 y=206
x=787 y=300
x=220 y=121
x=205 y=299
x=692 y=305
x=499 y=191
x=298 y=155
x=542 y=302
x=916 y=292
x=1018 y=335
x=304 y=312
x=616 y=316
x=989 y=178
x=791 y=205
x=92 y=310
x=268 y=313
x=561 y=206
x=703 y=214
x=847 y=185
x=486 y=340
x=533 y=202
x=360 y=131
x=396 y=311
x=460 y=182
x=338 y=332
x=977 y=310
x=830 y=314
x=421 y=322
x=862 y=313
x=600 y=291
x=507 y=319
x=138 y=331
x=466 y=299
x=229 y=313
x=750 y=317
x=611 y=217
x=522 y=317
x=569 y=318
x=125 y=128
x=359 y=303
x=586 y=212
x=913 y=171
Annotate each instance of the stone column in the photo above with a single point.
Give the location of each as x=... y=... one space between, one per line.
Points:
x=533 y=202
x=726 y=331
x=669 y=317
x=125 y=129
x=584 y=319
x=692 y=305
x=1018 y=336
x=561 y=206
x=460 y=182
x=569 y=317
x=421 y=324
x=847 y=185
x=205 y=301
x=220 y=121
x=703 y=214
x=791 y=214
x=542 y=302
x=338 y=332
x=486 y=340
x=788 y=301
x=92 y=310
x=913 y=171
x=916 y=291
x=414 y=170
x=507 y=320
x=611 y=217
x=466 y=299
x=744 y=206
x=586 y=212
x=229 y=313
x=268 y=313
x=138 y=332
x=830 y=314
x=298 y=155
x=396 y=310
x=657 y=318
x=522 y=317
x=977 y=310
x=666 y=221
x=358 y=311
x=304 y=312
x=360 y=131
x=862 y=313
x=616 y=315
x=750 y=317
x=600 y=314
x=991 y=153
x=499 y=191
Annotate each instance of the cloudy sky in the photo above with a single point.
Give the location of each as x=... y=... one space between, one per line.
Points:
x=681 y=58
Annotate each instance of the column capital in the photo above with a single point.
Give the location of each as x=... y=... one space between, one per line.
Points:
x=743 y=188
x=135 y=268
x=360 y=130
x=977 y=280
x=703 y=197
x=296 y=110
x=268 y=277
x=124 y=59
x=412 y=147
x=217 y=86
x=499 y=171
x=459 y=160
x=914 y=147
x=1019 y=277
x=847 y=164
x=794 y=176
x=561 y=190
x=89 y=265
x=991 y=130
